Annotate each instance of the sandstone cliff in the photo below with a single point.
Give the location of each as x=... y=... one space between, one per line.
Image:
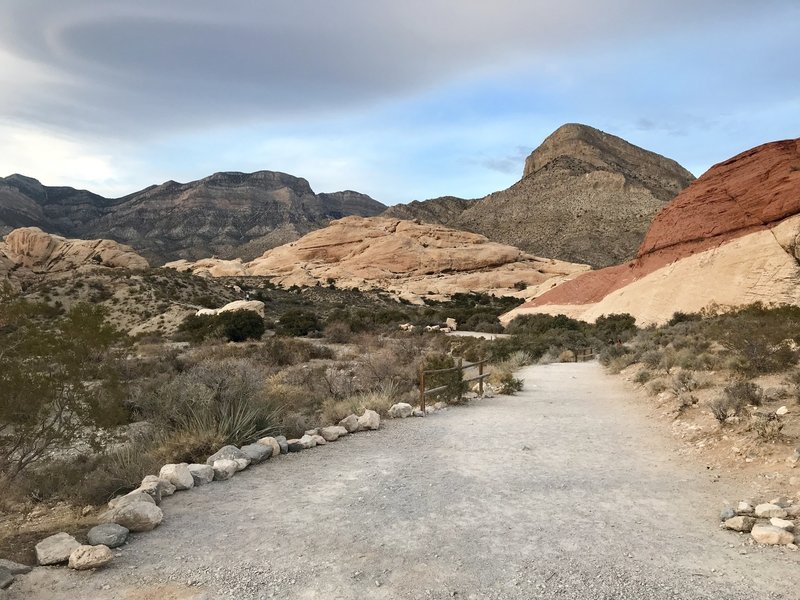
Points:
x=41 y=252
x=226 y=214
x=407 y=258
x=730 y=238
x=585 y=196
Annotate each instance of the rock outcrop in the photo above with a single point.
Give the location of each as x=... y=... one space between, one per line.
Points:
x=226 y=214
x=41 y=252
x=407 y=258
x=585 y=196
x=731 y=238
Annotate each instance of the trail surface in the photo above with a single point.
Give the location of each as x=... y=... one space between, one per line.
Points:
x=563 y=491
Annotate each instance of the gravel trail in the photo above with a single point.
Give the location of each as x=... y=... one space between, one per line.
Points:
x=563 y=491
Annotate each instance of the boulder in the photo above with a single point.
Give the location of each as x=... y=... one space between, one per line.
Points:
x=282 y=442
x=295 y=445
x=308 y=442
x=319 y=440
x=744 y=508
x=370 y=420
x=178 y=475
x=202 y=474
x=743 y=524
x=257 y=453
x=224 y=469
x=350 y=423
x=6 y=579
x=272 y=443
x=401 y=410
x=782 y=524
x=312 y=432
x=158 y=488
x=767 y=511
x=333 y=433
x=14 y=568
x=107 y=534
x=230 y=453
x=84 y=558
x=56 y=548
x=771 y=535
x=140 y=516
x=134 y=497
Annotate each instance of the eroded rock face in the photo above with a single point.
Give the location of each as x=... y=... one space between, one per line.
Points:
x=731 y=238
x=42 y=252
x=585 y=196
x=408 y=258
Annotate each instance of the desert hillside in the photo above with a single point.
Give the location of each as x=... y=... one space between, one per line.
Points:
x=226 y=214
x=585 y=196
x=408 y=258
x=731 y=238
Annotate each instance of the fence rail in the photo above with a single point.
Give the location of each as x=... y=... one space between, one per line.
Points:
x=460 y=368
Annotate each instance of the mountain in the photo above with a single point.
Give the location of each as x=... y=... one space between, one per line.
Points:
x=585 y=196
x=408 y=258
x=731 y=238
x=442 y=211
x=226 y=214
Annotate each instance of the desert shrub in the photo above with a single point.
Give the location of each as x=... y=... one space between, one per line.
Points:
x=683 y=381
x=793 y=381
x=505 y=382
x=651 y=359
x=643 y=377
x=282 y=351
x=196 y=328
x=621 y=362
x=338 y=332
x=451 y=380
x=611 y=352
x=57 y=383
x=298 y=322
x=566 y=356
x=744 y=392
x=723 y=408
x=541 y=323
x=615 y=327
x=241 y=325
x=682 y=317
x=766 y=426
x=656 y=386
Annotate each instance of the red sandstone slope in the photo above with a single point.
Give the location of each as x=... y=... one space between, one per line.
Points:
x=752 y=191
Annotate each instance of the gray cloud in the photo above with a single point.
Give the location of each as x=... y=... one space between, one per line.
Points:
x=114 y=67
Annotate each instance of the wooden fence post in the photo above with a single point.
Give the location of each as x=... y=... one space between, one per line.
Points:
x=460 y=377
x=422 y=390
x=480 y=374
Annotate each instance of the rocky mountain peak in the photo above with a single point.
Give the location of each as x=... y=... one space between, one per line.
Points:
x=599 y=150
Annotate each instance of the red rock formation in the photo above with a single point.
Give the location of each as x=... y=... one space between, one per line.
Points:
x=752 y=191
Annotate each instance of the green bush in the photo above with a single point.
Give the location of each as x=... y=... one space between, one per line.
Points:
x=298 y=322
x=744 y=392
x=241 y=325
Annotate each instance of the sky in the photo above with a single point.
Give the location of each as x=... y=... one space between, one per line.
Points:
x=400 y=100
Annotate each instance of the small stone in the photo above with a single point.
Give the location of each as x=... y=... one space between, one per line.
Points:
x=84 y=558
x=228 y=453
x=107 y=534
x=224 y=469
x=767 y=511
x=319 y=440
x=771 y=535
x=744 y=508
x=272 y=443
x=178 y=475
x=14 y=568
x=295 y=445
x=333 y=433
x=727 y=513
x=401 y=410
x=782 y=524
x=350 y=423
x=370 y=420
x=257 y=453
x=137 y=517
x=743 y=524
x=282 y=442
x=308 y=442
x=56 y=548
x=202 y=474
x=782 y=411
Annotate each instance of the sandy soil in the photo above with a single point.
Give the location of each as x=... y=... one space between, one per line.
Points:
x=563 y=491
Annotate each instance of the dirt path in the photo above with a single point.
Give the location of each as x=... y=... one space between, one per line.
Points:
x=563 y=491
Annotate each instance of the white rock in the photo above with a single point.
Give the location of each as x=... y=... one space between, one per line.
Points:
x=56 y=548
x=308 y=441
x=350 y=423
x=319 y=440
x=744 y=524
x=201 y=474
x=782 y=411
x=133 y=497
x=782 y=524
x=272 y=442
x=771 y=535
x=401 y=410
x=254 y=305
x=767 y=511
x=451 y=324
x=744 y=508
x=137 y=517
x=332 y=433
x=84 y=558
x=369 y=420
x=178 y=475
x=224 y=469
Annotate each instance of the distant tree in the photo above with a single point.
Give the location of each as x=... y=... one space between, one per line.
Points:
x=241 y=325
x=298 y=322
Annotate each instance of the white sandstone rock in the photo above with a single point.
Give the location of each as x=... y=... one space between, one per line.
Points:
x=224 y=469
x=178 y=475
x=84 y=558
x=55 y=549
x=202 y=474
x=401 y=410
x=369 y=420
